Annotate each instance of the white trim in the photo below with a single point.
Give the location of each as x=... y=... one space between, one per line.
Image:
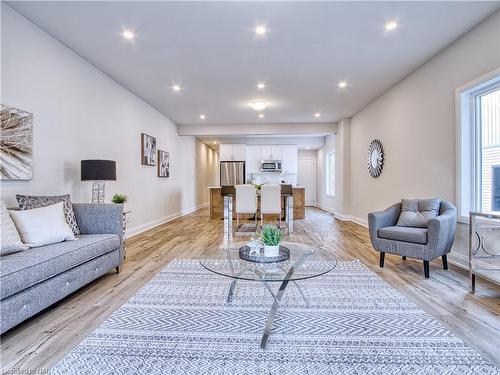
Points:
x=461 y=112
x=341 y=217
x=152 y=224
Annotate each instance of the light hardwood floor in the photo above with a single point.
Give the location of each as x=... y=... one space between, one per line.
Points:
x=42 y=341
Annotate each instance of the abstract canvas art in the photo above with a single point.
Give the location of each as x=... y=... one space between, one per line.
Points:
x=163 y=164
x=16 y=138
x=148 y=149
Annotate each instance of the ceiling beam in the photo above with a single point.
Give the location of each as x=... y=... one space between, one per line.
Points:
x=285 y=129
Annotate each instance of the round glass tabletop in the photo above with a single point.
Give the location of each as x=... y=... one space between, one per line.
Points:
x=305 y=261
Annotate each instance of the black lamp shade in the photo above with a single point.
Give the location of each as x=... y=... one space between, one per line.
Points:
x=98 y=170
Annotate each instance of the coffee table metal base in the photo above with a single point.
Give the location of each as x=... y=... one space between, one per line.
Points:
x=276 y=296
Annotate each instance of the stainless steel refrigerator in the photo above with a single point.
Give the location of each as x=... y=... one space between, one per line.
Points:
x=232 y=173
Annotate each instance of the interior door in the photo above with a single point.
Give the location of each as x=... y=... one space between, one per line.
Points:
x=306 y=177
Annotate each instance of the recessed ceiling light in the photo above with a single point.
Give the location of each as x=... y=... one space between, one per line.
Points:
x=317 y=115
x=203 y=116
x=176 y=88
x=342 y=84
x=392 y=25
x=307 y=148
x=261 y=85
x=128 y=34
x=261 y=115
x=258 y=105
x=214 y=142
x=260 y=30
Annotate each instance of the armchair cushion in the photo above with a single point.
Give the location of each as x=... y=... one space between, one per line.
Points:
x=405 y=234
x=416 y=213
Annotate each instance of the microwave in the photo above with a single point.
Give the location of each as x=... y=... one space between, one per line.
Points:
x=270 y=166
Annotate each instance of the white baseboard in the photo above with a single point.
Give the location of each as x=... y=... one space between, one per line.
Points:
x=342 y=217
x=150 y=225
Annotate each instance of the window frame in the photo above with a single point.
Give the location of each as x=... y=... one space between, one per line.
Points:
x=328 y=188
x=468 y=132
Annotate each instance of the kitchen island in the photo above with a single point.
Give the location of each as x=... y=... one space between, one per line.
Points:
x=216 y=202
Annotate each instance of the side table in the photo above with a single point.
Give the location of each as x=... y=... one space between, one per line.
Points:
x=124 y=226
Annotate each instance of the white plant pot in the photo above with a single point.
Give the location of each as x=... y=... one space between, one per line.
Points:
x=271 y=251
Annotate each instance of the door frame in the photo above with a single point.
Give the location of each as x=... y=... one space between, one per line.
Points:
x=315 y=161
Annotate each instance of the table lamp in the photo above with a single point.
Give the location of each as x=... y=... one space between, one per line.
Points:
x=98 y=171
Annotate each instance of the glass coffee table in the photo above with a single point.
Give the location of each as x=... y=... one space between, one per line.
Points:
x=305 y=262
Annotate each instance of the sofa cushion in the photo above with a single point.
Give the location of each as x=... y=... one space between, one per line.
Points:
x=417 y=212
x=27 y=268
x=405 y=234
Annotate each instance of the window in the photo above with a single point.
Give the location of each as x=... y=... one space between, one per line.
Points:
x=330 y=173
x=479 y=147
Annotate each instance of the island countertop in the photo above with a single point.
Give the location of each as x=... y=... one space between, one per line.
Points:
x=216 y=202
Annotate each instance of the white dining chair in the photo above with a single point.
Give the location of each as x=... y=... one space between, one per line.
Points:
x=246 y=202
x=270 y=201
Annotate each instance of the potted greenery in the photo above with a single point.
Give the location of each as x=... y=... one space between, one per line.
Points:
x=271 y=237
x=119 y=198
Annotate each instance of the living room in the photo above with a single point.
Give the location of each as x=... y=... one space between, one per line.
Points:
x=362 y=236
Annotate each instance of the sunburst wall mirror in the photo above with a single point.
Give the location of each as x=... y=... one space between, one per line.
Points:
x=375 y=158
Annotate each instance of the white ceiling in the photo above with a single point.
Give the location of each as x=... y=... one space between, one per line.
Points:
x=210 y=49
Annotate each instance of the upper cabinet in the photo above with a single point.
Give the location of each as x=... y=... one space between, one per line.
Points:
x=289 y=157
x=253 y=159
x=270 y=152
x=232 y=152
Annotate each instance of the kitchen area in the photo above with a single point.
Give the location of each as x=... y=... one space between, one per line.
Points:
x=258 y=165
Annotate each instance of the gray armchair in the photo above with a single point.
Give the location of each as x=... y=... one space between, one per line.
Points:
x=420 y=243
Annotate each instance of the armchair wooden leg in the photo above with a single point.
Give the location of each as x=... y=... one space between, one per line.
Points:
x=404 y=258
x=382 y=257
x=426 y=269
x=445 y=262
x=118 y=269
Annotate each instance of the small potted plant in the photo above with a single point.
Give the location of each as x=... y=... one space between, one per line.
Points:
x=271 y=237
x=119 y=198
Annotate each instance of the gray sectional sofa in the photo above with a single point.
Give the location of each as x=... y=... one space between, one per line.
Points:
x=34 y=279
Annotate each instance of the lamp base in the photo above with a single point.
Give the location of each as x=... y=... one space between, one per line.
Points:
x=98 y=191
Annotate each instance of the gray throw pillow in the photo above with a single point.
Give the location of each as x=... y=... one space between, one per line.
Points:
x=28 y=202
x=416 y=213
x=10 y=241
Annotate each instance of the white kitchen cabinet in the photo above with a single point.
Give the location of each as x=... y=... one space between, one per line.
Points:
x=289 y=155
x=232 y=152
x=276 y=153
x=225 y=152
x=239 y=152
x=266 y=152
x=253 y=159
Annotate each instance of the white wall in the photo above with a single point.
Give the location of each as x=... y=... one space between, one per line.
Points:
x=80 y=113
x=207 y=167
x=415 y=121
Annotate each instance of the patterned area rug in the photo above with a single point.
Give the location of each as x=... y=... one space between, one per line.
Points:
x=180 y=323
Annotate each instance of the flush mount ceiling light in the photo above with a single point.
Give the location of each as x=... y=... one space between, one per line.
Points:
x=317 y=115
x=342 y=84
x=203 y=116
x=258 y=105
x=390 y=26
x=176 y=88
x=128 y=34
x=261 y=85
x=260 y=30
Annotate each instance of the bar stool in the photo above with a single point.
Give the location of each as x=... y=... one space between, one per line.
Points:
x=270 y=201
x=246 y=202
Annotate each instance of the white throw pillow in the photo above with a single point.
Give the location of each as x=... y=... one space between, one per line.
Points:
x=42 y=226
x=10 y=242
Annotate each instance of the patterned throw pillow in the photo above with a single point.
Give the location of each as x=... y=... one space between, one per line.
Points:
x=28 y=202
x=10 y=241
